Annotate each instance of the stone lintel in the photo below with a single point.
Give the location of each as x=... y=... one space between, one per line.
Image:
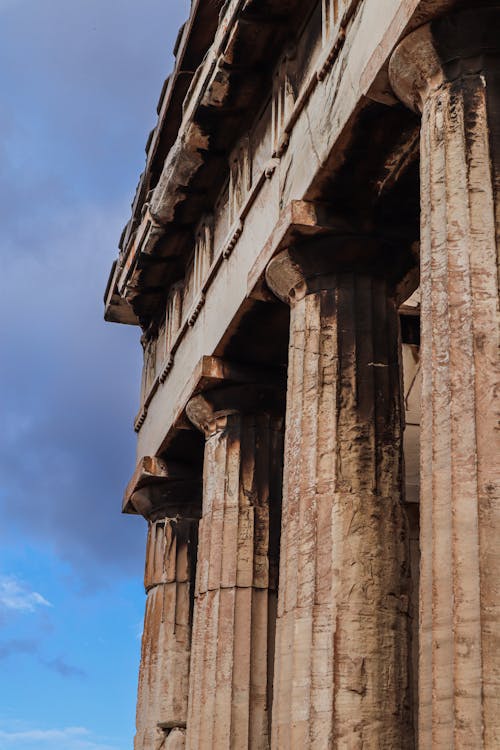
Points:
x=163 y=488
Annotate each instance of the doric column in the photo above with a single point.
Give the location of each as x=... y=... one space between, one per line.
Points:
x=450 y=71
x=169 y=498
x=341 y=669
x=235 y=599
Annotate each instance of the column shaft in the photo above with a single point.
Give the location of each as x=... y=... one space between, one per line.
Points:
x=341 y=676
x=230 y=691
x=450 y=70
x=164 y=670
x=460 y=658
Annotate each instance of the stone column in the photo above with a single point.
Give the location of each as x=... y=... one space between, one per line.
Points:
x=235 y=599
x=169 y=580
x=449 y=70
x=341 y=669
x=166 y=641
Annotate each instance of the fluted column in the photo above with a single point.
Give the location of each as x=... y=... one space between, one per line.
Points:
x=166 y=641
x=235 y=599
x=450 y=71
x=341 y=669
x=168 y=495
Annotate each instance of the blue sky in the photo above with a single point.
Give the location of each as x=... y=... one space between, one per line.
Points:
x=79 y=82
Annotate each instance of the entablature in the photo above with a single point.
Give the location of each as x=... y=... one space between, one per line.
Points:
x=235 y=71
x=201 y=249
x=186 y=175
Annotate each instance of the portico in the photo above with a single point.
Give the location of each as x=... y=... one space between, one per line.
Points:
x=312 y=258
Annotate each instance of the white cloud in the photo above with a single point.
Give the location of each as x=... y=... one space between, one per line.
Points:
x=69 y=738
x=16 y=595
x=139 y=628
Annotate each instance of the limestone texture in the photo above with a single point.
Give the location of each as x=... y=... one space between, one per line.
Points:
x=166 y=641
x=341 y=677
x=320 y=215
x=236 y=584
x=449 y=70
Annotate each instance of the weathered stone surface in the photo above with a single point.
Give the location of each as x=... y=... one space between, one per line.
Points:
x=236 y=586
x=450 y=71
x=341 y=677
x=161 y=488
x=328 y=102
x=264 y=146
x=176 y=740
x=166 y=641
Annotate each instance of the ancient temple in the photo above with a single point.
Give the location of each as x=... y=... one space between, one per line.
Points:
x=312 y=259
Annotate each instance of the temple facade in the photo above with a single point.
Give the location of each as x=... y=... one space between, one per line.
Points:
x=312 y=258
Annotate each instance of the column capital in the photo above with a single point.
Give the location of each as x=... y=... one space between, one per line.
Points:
x=309 y=267
x=210 y=410
x=460 y=44
x=163 y=489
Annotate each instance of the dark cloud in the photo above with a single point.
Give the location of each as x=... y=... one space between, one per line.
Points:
x=74 y=120
x=89 y=79
x=31 y=646
x=71 y=385
x=64 y=669
x=17 y=646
